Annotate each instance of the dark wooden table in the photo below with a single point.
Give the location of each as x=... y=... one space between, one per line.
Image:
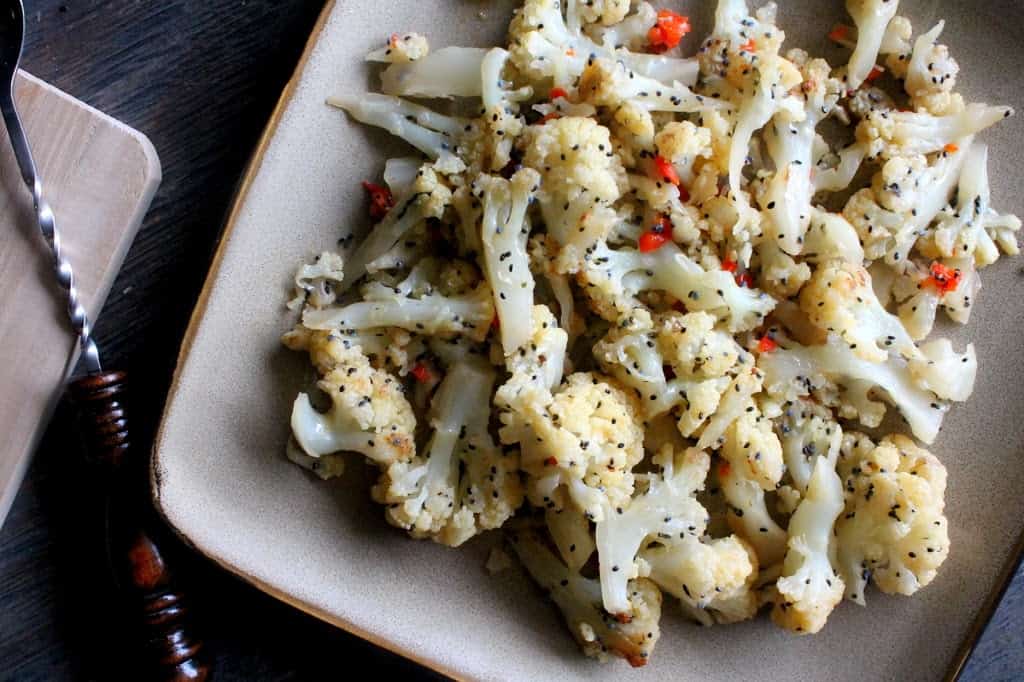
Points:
x=200 y=77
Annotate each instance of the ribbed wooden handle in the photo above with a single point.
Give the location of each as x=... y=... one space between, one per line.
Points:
x=139 y=565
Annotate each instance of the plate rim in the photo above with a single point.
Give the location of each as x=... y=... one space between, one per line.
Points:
x=953 y=672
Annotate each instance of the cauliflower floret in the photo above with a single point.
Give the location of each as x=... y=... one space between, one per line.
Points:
x=752 y=464
x=781 y=276
x=316 y=283
x=896 y=133
x=728 y=56
x=606 y=12
x=633 y=128
x=581 y=179
x=505 y=232
x=807 y=432
x=611 y=83
x=713 y=580
x=973 y=228
x=816 y=370
x=543 y=250
x=581 y=447
x=612 y=279
x=893 y=234
x=465 y=484
x=570 y=531
x=839 y=298
x=432 y=133
x=809 y=588
x=545 y=49
x=536 y=368
x=433 y=313
x=931 y=69
x=871 y=17
x=893 y=530
x=668 y=509
x=401 y=48
x=682 y=143
x=427 y=198
x=368 y=413
x=637 y=350
x=579 y=599
x=389 y=346
x=830 y=236
x=487 y=142
x=790 y=140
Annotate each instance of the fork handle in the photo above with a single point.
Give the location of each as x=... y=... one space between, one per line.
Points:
x=138 y=564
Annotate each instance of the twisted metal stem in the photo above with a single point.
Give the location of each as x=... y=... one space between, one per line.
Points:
x=48 y=227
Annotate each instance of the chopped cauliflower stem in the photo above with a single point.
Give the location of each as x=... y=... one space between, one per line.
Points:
x=627 y=296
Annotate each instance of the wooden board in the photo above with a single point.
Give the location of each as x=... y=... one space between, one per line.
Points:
x=100 y=176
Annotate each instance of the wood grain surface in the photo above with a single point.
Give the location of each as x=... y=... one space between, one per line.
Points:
x=98 y=177
x=200 y=77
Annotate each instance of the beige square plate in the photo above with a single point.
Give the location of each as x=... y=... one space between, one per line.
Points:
x=222 y=480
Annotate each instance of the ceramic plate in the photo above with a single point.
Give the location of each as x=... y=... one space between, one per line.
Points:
x=221 y=478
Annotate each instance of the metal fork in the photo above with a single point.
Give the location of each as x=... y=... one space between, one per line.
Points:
x=139 y=567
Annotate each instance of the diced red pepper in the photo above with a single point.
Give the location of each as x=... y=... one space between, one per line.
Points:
x=749 y=46
x=651 y=241
x=684 y=194
x=550 y=462
x=422 y=373
x=624 y=618
x=944 y=278
x=666 y=171
x=766 y=344
x=875 y=73
x=745 y=280
x=729 y=265
x=549 y=117
x=839 y=33
x=381 y=200
x=951 y=148
x=558 y=92
x=668 y=31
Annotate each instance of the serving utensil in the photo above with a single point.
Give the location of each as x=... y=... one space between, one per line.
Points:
x=139 y=566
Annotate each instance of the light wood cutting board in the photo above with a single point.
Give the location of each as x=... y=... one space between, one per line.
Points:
x=100 y=176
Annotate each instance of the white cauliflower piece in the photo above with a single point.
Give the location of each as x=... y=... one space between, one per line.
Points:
x=369 y=413
x=871 y=18
x=893 y=531
x=465 y=484
x=682 y=143
x=536 y=368
x=427 y=197
x=434 y=134
x=579 y=599
x=504 y=234
x=972 y=228
x=904 y=133
x=401 y=49
x=930 y=69
x=809 y=588
x=789 y=140
x=579 y=450
x=806 y=370
x=317 y=283
x=611 y=279
x=448 y=72
x=830 y=236
x=570 y=531
x=667 y=509
x=467 y=313
x=611 y=83
x=581 y=177
x=808 y=431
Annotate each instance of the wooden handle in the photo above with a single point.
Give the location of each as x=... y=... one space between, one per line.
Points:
x=139 y=565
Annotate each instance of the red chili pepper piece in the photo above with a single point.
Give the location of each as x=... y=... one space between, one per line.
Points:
x=766 y=344
x=748 y=46
x=422 y=373
x=943 y=278
x=552 y=115
x=666 y=171
x=729 y=265
x=381 y=200
x=839 y=33
x=874 y=74
x=724 y=469
x=745 y=280
x=558 y=92
x=668 y=31
x=550 y=462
